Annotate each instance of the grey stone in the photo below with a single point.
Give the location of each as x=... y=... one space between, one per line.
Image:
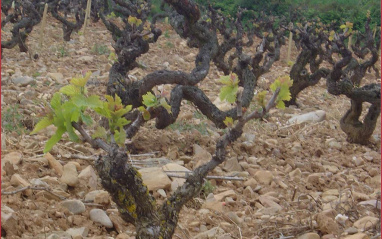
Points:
x=74 y=206
x=23 y=80
x=100 y=216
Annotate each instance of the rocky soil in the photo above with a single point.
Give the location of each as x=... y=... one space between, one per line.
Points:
x=301 y=179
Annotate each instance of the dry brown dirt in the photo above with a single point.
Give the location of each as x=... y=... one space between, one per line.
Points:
x=315 y=174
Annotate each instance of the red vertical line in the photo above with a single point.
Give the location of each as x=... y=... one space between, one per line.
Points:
x=1 y=56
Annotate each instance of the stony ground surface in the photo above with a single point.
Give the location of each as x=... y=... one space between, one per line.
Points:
x=301 y=180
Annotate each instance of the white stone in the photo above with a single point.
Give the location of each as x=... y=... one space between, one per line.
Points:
x=316 y=116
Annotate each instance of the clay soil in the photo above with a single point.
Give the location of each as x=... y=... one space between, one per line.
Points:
x=314 y=170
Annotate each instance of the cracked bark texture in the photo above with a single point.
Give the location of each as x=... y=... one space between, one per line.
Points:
x=312 y=54
x=184 y=17
x=24 y=17
x=346 y=78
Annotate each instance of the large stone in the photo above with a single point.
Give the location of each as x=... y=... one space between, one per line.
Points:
x=315 y=116
x=232 y=164
x=366 y=223
x=100 y=216
x=155 y=178
x=176 y=168
x=74 y=206
x=9 y=220
x=89 y=175
x=326 y=223
x=70 y=175
x=201 y=156
x=14 y=158
x=54 y=164
x=264 y=177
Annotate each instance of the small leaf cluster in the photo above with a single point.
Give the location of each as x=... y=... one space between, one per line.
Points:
x=284 y=83
x=151 y=101
x=72 y=104
x=230 y=88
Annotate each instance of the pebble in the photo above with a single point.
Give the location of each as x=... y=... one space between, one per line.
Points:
x=309 y=235
x=295 y=173
x=74 y=206
x=70 y=175
x=75 y=232
x=315 y=116
x=17 y=180
x=326 y=223
x=100 y=216
x=212 y=233
x=366 y=223
x=23 y=80
x=251 y=182
x=54 y=164
x=221 y=196
x=264 y=177
x=176 y=167
x=358 y=236
x=57 y=77
x=102 y=198
x=234 y=218
x=232 y=164
x=351 y=230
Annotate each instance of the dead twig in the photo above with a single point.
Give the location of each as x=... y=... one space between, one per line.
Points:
x=174 y=175
x=33 y=188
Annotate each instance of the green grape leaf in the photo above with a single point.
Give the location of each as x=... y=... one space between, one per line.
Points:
x=54 y=139
x=122 y=122
x=92 y=101
x=75 y=115
x=145 y=113
x=55 y=102
x=43 y=123
x=284 y=83
x=228 y=93
x=86 y=119
x=104 y=110
x=228 y=121
x=100 y=132
x=149 y=100
x=280 y=105
x=81 y=81
x=260 y=98
x=120 y=137
x=230 y=79
x=70 y=90
x=165 y=105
